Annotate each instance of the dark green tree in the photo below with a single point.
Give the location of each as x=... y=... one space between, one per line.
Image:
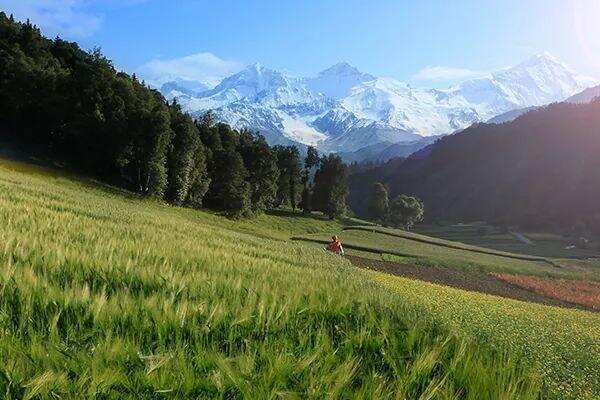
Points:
x=330 y=187
x=306 y=199
x=406 y=211
x=310 y=161
x=288 y=184
x=183 y=149
x=199 y=178
x=312 y=158
x=229 y=191
x=379 y=204
x=151 y=135
x=263 y=173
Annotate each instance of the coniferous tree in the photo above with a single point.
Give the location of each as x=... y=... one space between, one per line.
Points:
x=288 y=162
x=263 y=173
x=306 y=200
x=229 y=191
x=331 y=188
x=310 y=161
x=312 y=158
x=199 y=177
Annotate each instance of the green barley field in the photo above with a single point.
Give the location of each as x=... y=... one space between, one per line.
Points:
x=107 y=296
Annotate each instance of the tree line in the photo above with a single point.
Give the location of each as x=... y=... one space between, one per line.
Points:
x=74 y=107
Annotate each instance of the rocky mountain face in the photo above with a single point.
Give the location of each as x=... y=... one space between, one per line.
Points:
x=345 y=110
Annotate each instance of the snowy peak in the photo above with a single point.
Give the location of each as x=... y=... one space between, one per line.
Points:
x=343 y=109
x=252 y=80
x=182 y=87
x=542 y=59
x=337 y=80
x=537 y=81
x=344 y=69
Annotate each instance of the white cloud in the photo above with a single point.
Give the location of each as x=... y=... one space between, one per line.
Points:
x=446 y=74
x=66 y=18
x=204 y=67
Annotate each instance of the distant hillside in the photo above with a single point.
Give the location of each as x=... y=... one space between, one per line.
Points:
x=510 y=115
x=383 y=152
x=585 y=96
x=542 y=169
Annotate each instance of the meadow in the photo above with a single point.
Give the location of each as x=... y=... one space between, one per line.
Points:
x=106 y=295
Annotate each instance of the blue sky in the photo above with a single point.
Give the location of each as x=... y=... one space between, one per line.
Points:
x=428 y=43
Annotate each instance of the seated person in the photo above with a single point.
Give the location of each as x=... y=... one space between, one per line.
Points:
x=335 y=246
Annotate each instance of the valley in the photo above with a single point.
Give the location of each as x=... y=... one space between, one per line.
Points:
x=195 y=227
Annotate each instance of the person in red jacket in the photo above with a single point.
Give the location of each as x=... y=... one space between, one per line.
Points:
x=335 y=246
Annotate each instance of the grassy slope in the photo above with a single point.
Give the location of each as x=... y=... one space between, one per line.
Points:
x=103 y=295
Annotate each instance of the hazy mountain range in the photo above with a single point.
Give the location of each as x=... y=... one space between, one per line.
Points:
x=345 y=110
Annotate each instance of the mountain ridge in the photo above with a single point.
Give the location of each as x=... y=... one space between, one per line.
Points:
x=342 y=109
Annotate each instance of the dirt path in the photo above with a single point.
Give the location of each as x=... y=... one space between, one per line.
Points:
x=472 y=281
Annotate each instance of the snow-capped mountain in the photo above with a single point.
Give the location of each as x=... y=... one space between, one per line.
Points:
x=337 y=81
x=182 y=88
x=344 y=110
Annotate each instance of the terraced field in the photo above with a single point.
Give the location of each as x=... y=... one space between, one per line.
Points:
x=105 y=295
x=424 y=250
x=479 y=234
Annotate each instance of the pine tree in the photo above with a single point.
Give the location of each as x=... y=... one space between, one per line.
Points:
x=310 y=161
x=312 y=158
x=263 y=173
x=199 y=178
x=306 y=201
x=229 y=191
x=288 y=162
x=150 y=146
x=330 y=187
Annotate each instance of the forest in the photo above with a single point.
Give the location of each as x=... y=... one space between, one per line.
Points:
x=73 y=108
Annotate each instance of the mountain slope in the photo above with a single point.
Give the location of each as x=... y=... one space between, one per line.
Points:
x=585 y=96
x=541 y=169
x=344 y=110
x=510 y=115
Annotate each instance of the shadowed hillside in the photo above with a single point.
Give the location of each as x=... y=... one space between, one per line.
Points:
x=541 y=170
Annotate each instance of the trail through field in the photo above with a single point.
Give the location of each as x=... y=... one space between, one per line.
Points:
x=472 y=281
